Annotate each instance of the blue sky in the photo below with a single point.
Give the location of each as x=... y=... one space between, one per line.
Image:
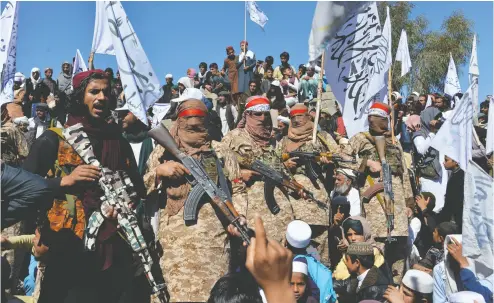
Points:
x=179 y=35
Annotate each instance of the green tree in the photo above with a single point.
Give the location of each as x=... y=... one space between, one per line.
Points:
x=429 y=50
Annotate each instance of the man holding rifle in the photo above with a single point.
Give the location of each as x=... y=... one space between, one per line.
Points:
x=309 y=173
x=253 y=141
x=380 y=159
x=194 y=252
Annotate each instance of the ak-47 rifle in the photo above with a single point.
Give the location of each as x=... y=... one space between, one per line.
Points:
x=308 y=159
x=387 y=183
x=119 y=192
x=272 y=179
x=201 y=184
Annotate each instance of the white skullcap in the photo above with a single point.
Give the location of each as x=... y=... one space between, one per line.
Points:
x=168 y=76
x=190 y=93
x=416 y=94
x=397 y=95
x=298 y=234
x=276 y=83
x=284 y=120
x=347 y=172
x=19 y=77
x=466 y=297
x=21 y=120
x=301 y=267
x=418 y=281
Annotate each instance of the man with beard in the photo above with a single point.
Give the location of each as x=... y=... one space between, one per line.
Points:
x=41 y=122
x=252 y=140
x=36 y=90
x=48 y=81
x=194 y=252
x=364 y=144
x=343 y=187
x=299 y=138
x=64 y=80
x=110 y=273
x=226 y=111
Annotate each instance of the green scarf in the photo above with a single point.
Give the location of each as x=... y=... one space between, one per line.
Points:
x=146 y=148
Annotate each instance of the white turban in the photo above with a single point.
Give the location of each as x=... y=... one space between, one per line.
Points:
x=466 y=297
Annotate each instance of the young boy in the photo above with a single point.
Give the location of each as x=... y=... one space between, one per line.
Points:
x=299 y=281
x=416 y=287
x=435 y=254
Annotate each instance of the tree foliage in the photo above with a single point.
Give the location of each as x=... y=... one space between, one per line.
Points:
x=429 y=50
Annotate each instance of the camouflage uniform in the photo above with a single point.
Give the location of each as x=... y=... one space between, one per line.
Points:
x=194 y=256
x=250 y=200
x=14 y=149
x=306 y=210
x=360 y=145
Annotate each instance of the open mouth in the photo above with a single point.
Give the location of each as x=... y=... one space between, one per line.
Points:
x=98 y=108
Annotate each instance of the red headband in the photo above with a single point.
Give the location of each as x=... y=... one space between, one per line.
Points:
x=381 y=106
x=257 y=101
x=192 y=112
x=78 y=78
x=297 y=111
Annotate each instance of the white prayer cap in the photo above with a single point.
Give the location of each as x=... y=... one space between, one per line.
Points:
x=21 y=120
x=466 y=297
x=418 y=281
x=168 y=76
x=301 y=267
x=190 y=93
x=347 y=172
x=284 y=120
x=276 y=83
x=397 y=95
x=19 y=77
x=298 y=234
x=416 y=94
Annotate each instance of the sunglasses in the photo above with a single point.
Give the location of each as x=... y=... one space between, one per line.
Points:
x=258 y=114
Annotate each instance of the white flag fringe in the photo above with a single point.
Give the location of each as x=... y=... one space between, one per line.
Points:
x=140 y=84
x=473 y=74
x=353 y=56
x=79 y=64
x=102 y=37
x=403 y=54
x=8 y=51
x=489 y=142
x=452 y=83
x=256 y=15
x=329 y=17
x=454 y=138
x=478 y=216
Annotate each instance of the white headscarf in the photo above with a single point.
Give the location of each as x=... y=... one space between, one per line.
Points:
x=187 y=82
x=35 y=82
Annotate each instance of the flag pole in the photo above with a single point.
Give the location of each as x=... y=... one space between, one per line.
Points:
x=245 y=29
x=319 y=97
x=392 y=105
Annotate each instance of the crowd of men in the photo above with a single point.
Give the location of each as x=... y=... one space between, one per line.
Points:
x=326 y=229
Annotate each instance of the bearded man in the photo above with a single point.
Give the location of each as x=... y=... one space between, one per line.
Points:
x=253 y=141
x=194 y=253
x=299 y=138
x=364 y=144
x=110 y=273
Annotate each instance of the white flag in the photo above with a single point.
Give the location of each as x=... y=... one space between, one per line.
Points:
x=102 y=37
x=159 y=112
x=256 y=15
x=489 y=142
x=379 y=79
x=352 y=57
x=452 y=83
x=8 y=50
x=329 y=17
x=478 y=215
x=473 y=74
x=403 y=54
x=140 y=84
x=429 y=101
x=79 y=64
x=454 y=138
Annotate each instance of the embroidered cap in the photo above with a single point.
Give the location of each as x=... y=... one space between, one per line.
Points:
x=379 y=109
x=360 y=249
x=257 y=104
